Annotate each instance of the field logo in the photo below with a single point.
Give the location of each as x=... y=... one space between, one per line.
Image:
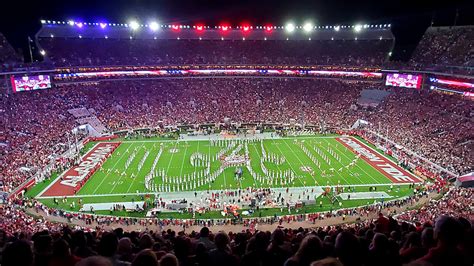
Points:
x=382 y=164
x=74 y=178
x=87 y=166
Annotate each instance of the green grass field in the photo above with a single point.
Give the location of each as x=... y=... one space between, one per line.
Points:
x=116 y=182
x=178 y=164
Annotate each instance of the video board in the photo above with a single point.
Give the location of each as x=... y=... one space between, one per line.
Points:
x=30 y=83
x=403 y=80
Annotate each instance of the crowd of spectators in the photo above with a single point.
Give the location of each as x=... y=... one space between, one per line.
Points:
x=435 y=126
x=36 y=128
x=414 y=238
x=445 y=46
x=100 y=52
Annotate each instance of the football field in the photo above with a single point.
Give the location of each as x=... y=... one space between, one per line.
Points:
x=134 y=168
x=175 y=161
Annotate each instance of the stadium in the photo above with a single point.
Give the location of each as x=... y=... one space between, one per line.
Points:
x=153 y=143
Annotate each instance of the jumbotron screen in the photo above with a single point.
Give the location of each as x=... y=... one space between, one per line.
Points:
x=30 y=83
x=403 y=80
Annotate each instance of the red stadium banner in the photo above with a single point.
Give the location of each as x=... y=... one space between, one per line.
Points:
x=384 y=165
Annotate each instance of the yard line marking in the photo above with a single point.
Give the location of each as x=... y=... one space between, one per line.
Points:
x=278 y=147
x=137 y=176
x=358 y=165
x=340 y=174
x=106 y=175
x=171 y=158
x=182 y=161
x=328 y=165
x=259 y=158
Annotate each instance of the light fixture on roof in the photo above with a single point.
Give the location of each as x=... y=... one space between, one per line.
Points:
x=357 y=28
x=133 y=25
x=290 y=27
x=307 y=27
x=337 y=28
x=71 y=22
x=154 y=26
x=43 y=52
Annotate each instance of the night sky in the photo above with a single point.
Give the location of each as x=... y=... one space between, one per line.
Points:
x=20 y=19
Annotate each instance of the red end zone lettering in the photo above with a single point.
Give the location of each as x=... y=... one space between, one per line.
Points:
x=73 y=179
x=385 y=166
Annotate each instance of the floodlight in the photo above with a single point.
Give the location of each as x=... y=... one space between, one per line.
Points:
x=337 y=28
x=290 y=27
x=42 y=52
x=308 y=27
x=134 y=25
x=154 y=26
x=358 y=28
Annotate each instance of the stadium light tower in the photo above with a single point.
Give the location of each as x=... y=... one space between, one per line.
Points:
x=154 y=26
x=290 y=27
x=308 y=26
x=134 y=25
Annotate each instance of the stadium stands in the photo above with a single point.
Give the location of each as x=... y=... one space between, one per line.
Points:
x=443 y=47
x=433 y=238
x=421 y=229
x=100 y=52
x=435 y=126
x=8 y=55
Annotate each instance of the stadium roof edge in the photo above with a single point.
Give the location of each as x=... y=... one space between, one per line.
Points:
x=93 y=32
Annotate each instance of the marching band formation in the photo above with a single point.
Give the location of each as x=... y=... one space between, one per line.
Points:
x=158 y=180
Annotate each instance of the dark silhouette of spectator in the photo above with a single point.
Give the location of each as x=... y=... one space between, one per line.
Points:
x=17 y=253
x=221 y=255
x=448 y=234
x=62 y=254
x=145 y=257
x=309 y=250
x=169 y=260
x=257 y=253
x=204 y=238
x=347 y=248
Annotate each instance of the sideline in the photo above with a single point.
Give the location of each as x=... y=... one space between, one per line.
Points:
x=332 y=221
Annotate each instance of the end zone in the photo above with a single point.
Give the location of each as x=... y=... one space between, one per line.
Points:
x=73 y=179
x=385 y=166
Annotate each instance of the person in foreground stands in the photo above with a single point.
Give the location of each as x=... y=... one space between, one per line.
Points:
x=310 y=250
x=108 y=247
x=204 y=239
x=221 y=255
x=448 y=233
x=62 y=254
